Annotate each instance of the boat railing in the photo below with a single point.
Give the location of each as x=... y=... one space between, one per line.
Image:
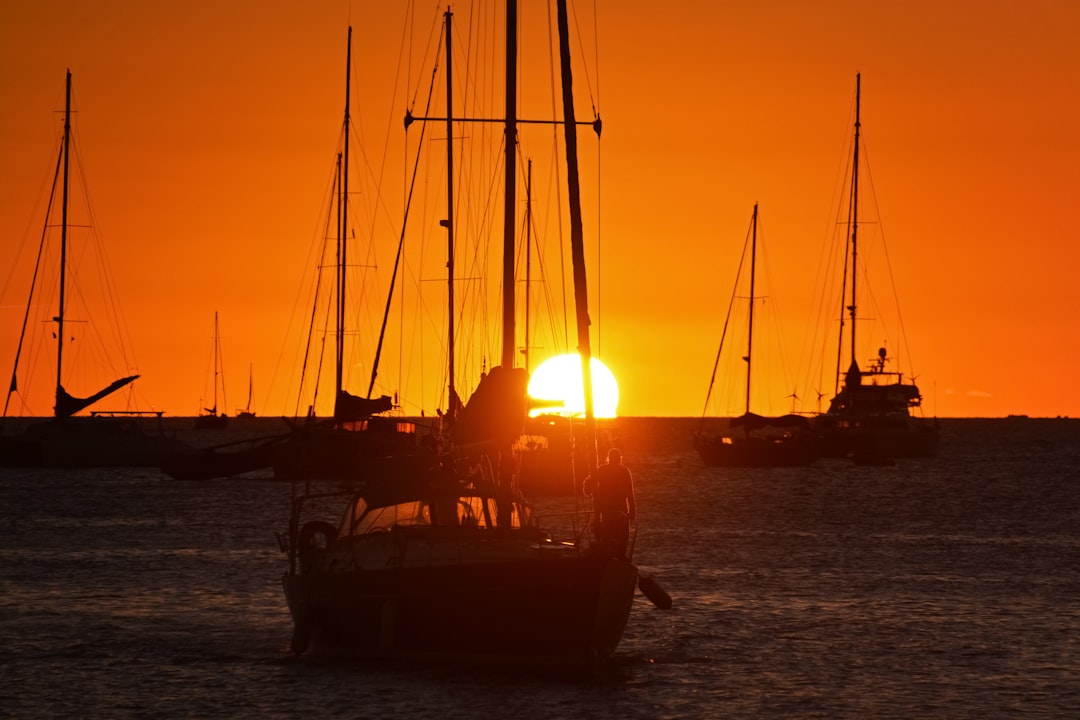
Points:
x=316 y=507
x=126 y=413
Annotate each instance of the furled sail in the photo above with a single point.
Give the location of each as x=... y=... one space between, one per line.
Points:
x=67 y=405
x=497 y=410
x=350 y=407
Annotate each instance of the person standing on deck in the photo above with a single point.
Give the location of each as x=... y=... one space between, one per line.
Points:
x=612 y=489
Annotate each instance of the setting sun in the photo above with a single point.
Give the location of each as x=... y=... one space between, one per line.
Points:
x=559 y=379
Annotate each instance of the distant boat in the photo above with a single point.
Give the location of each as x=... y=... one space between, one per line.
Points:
x=752 y=440
x=870 y=418
x=436 y=555
x=247 y=412
x=225 y=460
x=105 y=438
x=334 y=448
x=209 y=419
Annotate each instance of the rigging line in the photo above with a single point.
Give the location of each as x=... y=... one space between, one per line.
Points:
x=843 y=299
x=330 y=207
x=401 y=240
x=727 y=320
x=481 y=251
x=557 y=178
x=593 y=103
x=321 y=363
x=906 y=348
x=48 y=184
x=403 y=56
x=436 y=25
x=559 y=342
x=596 y=52
x=529 y=226
x=314 y=259
x=114 y=327
x=775 y=315
x=13 y=385
x=581 y=49
x=821 y=312
x=785 y=365
x=122 y=339
x=379 y=206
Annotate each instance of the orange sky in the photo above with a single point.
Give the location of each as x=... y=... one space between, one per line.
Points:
x=208 y=131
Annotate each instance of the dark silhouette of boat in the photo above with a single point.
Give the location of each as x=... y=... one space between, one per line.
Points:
x=247 y=412
x=224 y=460
x=871 y=416
x=752 y=440
x=338 y=447
x=437 y=554
x=104 y=438
x=209 y=419
x=437 y=559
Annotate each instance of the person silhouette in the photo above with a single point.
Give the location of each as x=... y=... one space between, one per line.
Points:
x=612 y=489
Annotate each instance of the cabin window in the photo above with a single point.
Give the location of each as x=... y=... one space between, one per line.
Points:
x=385 y=518
x=471 y=512
x=353 y=513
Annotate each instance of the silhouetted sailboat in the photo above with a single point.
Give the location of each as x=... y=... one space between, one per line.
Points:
x=247 y=412
x=337 y=447
x=106 y=438
x=436 y=556
x=870 y=417
x=752 y=440
x=209 y=419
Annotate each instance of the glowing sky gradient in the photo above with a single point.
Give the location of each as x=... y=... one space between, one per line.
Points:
x=207 y=131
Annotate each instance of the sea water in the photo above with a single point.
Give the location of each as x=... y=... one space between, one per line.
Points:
x=944 y=588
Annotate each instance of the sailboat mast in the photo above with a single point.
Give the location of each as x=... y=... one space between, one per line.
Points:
x=528 y=259
x=338 y=265
x=510 y=192
x=63 y=247
x=577 y=240
x=855 y=212
x=449 y=221
x=217 y=361
x=343 y=224
x=750 y=330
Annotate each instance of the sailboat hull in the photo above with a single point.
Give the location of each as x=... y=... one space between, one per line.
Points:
x=211 y=422
x=82 y=442
x=521 y=603
x=878 y=437
x=336 y=452
x=724 y=451
x=211 y=463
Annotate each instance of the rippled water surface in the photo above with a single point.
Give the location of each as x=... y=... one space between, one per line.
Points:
x=946 y=588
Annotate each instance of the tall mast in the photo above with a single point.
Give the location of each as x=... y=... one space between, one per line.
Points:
x=855 y=213
x=510 y=192
x=343 y=225
x=577 y=240
x=217 y=361
x=449 y=221
x=63 y=247
x=750 y=331
x=528 y=259
x=339 y=355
